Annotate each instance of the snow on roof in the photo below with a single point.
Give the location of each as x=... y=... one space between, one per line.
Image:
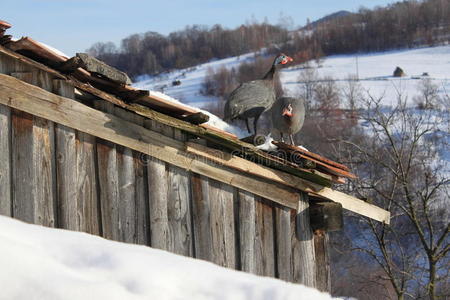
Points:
x=45 y=263
x=213 y=119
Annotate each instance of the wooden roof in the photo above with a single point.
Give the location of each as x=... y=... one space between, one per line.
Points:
x=290 y=172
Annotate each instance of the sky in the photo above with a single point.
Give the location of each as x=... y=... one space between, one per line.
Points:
x=74 y=25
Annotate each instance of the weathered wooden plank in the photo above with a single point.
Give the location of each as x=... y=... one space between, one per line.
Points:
x=66 y=167
x=108 y=182
x=179 y=204
x=283 y=243
x=222 y=224
x=93 y=65
x=264 y=242
x=323 y=282
x=133 y=204
x=127 y=195
x=303 y=258
x=5 y=161
x=172 y=209
x=247 y=231
x=22 y=166
x=142 y=206
x=44 y=160
x=86 y=184
x=157 y=194
x=201 y=209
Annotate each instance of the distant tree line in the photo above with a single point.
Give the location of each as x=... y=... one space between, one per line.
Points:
x=403 y=24
x=152 y=53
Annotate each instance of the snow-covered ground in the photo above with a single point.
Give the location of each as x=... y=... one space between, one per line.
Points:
x=44 y=263
x=191 y=80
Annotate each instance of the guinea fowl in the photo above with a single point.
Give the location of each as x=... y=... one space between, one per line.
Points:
x=251 y=99
x=288 y=115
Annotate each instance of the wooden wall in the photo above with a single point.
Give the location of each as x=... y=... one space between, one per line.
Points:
x=59 y=177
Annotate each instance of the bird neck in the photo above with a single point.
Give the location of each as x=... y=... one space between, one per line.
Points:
x=270 y=73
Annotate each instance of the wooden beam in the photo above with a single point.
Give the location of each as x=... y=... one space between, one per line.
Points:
x=94 y=65
x=355 y=205
x=25 y=97
x=205 y=131
x=245 y=166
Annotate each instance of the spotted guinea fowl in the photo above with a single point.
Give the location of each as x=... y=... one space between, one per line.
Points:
x=288 y=115
x=251 y=99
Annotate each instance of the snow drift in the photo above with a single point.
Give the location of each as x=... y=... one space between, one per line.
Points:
x=44 y=263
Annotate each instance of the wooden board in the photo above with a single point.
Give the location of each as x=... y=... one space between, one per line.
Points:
x=264 y=238
x=247 y=231
x=108 y=178
x=323 y=276
x=179 y=203
x=5 y=161
x=22 y=167
x=222 y=224
x=303 y=256
x=283 y=242
x=133 y=204
x=87 y=185
x=66 y=167
x=201 y=209
x=310 y=154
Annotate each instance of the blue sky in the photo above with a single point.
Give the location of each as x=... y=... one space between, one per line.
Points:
x=74 y=25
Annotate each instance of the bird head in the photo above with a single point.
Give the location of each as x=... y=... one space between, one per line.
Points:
x=282 y=59
x=287 y=111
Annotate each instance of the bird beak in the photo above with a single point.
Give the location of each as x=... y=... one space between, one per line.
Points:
x=287 y=59
x=286 y=112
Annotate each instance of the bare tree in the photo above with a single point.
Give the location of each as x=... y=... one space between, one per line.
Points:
x=429 y=95
x=401 y=170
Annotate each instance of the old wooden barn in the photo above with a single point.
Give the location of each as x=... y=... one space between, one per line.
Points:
x=80 y=149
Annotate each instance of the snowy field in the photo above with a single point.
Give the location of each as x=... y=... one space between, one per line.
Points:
x=44 y=263
x=374 y=71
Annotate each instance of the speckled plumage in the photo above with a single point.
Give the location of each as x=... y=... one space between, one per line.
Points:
x=251 y=99
x=285 y=124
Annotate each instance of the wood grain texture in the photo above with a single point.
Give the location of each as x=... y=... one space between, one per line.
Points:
x=179 y=203
x=201 y=210
x=157 y=194
x=66 y=167
x=5 y=161
x=323 y=277
x=133 y=204
x=87 y=185
x=247 y=231
x=222 y=224
x=303 y=257
x=283 y=243
x=108 y=182
x=22 y=167
x=127 y=194
x=264 y=242
x=44 y=160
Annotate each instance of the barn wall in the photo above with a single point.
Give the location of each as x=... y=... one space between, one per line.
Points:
x=59 y=177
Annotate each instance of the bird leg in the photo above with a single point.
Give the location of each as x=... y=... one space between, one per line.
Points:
x=255 y=122
x=292 y=139
x=248 y=127
x=282 y=138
